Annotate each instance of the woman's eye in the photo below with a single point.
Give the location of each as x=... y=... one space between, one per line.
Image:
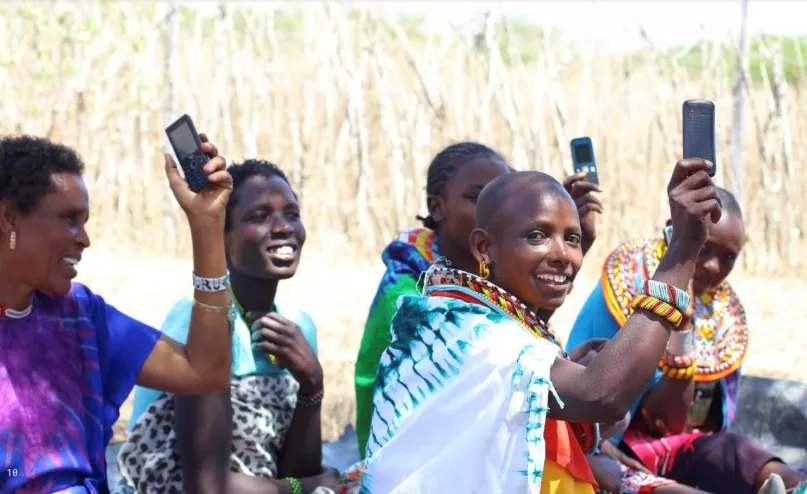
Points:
x=573 y=239
x=293 y=215
x=536 y=236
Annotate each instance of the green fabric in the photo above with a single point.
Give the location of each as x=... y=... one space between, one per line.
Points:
x=376 y=339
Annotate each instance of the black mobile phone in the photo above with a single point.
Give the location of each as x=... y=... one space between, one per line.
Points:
x=699 y=131
x=188 y=148
x=583 y=159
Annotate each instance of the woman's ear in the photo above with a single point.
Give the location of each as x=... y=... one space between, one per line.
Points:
x=8 y=216
x=435 y=205
x=481 y=241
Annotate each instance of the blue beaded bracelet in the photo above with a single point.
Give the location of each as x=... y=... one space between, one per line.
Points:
x=674 y=296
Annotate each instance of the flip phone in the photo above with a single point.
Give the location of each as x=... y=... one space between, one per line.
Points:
x=188 y=149
x=583 y=159
x=699 y=131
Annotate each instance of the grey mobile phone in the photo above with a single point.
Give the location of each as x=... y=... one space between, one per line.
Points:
x=699 y=131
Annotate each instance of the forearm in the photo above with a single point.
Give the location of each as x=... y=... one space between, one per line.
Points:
x=302 y=449
x=209 y=337
x=604 y=390
x=670 y=401
x=203 y=426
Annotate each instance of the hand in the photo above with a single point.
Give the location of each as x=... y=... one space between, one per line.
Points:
x=583 y=353
x=693 y=199
x=606 y=472
x=608 y=449
x=588 y=206
x=276 y=335
x=208 y=205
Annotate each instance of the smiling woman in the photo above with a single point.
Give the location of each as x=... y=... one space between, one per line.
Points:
x=67 y=358
x=182 y=443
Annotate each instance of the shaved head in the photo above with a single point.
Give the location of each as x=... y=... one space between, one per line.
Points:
x=505 y=192
x=728 y=201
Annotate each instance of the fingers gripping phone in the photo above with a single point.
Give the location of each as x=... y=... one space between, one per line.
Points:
x=583 y=159
x=699 y=131
x=188 y=149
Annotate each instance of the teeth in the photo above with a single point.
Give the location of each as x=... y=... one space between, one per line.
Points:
x=70 y=261
x=553 y=278
x=285 y=250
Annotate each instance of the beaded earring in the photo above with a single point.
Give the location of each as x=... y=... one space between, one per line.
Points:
x=12 y=240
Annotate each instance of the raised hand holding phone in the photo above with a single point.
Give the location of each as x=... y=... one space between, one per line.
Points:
x=699 y=132
x=204 y=191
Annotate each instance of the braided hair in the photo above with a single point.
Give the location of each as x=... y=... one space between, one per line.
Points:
x=444 y=166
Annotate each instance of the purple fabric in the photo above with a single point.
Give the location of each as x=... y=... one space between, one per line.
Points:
x=64 y=372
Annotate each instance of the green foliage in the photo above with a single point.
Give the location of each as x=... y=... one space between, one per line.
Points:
x=759 y=61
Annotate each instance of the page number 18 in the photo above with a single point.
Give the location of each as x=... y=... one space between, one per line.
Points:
x=13 y=472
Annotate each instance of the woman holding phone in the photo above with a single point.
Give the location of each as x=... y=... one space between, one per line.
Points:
x=68 y=359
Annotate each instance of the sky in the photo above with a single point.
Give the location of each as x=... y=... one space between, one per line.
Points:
x=604 y=21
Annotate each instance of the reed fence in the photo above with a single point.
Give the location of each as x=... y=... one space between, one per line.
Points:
x=353 y=104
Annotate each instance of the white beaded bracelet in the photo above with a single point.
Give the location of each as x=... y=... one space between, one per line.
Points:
x=211 y=284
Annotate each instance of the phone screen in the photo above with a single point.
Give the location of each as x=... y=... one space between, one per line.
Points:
x=183 y=141
x=582 y=154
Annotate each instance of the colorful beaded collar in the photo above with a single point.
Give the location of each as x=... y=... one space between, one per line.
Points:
x=7 y=313
x=442 y=279
x=721 y=330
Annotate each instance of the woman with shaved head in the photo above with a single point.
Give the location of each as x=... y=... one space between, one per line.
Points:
x=475 y=394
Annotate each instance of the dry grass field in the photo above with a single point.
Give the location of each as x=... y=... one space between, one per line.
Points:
x=337 y=290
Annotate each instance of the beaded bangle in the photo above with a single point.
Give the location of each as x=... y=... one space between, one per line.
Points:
x=658 y=307
x=296 y=488
x=211 y=284
x=666 y=293
x=311 y=400
x=677 y=361
x=682 y=374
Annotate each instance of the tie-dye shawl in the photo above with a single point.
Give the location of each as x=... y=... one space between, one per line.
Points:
x=480 y=397
x=405 y=258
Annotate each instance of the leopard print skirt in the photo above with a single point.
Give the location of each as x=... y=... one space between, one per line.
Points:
x=263 y=407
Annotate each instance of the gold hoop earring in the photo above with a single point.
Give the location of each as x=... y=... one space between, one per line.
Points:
x=484 y=272
x=12 y=240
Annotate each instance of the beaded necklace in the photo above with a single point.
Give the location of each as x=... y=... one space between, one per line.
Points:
x=443 y=279
x=8 y=313
x=718 y=318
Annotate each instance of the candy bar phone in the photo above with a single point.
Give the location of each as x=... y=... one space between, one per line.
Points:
x=188 y=148
x=699 y=131
x=668 y=234
x=583 y=159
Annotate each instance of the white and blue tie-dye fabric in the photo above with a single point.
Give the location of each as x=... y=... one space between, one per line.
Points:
x=460 y=403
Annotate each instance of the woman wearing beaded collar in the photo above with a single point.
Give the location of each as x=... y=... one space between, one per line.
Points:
x=474 y=394
x=67 y=358
x=455 y=178
x=680 y=422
